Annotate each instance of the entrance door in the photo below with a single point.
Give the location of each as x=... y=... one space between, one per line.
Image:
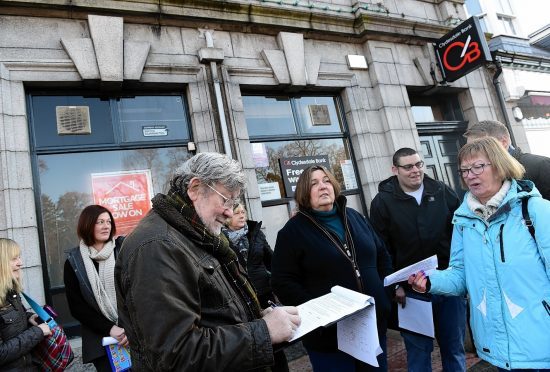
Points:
x=440 y=144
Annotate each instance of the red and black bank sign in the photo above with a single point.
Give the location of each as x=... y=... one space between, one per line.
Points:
x=462 y=50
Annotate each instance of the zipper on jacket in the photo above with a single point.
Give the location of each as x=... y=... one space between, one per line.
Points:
x=501 y=238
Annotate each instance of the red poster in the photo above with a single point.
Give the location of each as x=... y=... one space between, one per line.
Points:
x=127 y=194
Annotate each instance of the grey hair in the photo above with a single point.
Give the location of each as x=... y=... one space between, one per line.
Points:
x=210 y=168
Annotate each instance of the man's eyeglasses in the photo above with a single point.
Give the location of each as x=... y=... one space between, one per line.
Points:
x=476 y=169
x=103 y=222
x=228 y=203
x=409 y=167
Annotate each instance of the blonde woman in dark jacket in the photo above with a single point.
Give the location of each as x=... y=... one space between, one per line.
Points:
x=19 y=330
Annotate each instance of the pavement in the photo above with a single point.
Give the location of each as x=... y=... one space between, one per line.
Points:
x=299 y=361
x=397 y=358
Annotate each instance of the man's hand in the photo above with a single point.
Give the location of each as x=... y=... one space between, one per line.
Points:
x=400 y=296
x=281 y=322
x=118 y=333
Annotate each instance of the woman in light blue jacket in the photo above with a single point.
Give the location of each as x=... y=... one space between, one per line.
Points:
x=496 y=260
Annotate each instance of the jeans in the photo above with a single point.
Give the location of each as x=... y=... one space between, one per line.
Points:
x=450 y=326
x=342 y=362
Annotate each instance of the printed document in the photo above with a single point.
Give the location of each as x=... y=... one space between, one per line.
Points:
x=355 y=315
x=417 y=316
x=428 y=265
x=358 y=336
x=330 y=308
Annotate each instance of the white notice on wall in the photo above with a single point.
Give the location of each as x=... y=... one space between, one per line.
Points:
x=269 y=191
x=350 y=182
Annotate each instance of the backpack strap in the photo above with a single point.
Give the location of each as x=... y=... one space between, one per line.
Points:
x=526 y=218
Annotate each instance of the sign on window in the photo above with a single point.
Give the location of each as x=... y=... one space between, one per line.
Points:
x=127 y=194
x=292 y=168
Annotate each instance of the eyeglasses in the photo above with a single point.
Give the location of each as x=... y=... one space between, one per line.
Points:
x=103 y=222
x=476 y=169
x=409 y=167
x=228 y=203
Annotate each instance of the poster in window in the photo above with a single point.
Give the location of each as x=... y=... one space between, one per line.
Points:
x=259 y=155
x=350 y=181
x=292 y=168
x=319 y=114
x=127 y=194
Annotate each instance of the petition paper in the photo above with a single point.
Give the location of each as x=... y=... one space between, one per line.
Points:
x=428 y=265
x=417 y=316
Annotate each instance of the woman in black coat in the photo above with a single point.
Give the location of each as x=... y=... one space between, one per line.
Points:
x=323 y=245
x=253 y=251
x=19 y=331
x=89 y=284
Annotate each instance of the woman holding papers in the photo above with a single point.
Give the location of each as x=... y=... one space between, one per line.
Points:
x=323 y=245
x=19 y=329
x=89 y=284
x=495 y=257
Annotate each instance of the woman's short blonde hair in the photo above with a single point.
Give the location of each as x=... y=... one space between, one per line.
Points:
x=235 y=208
x=302 y=194
x=9 y=250
x=504 y=164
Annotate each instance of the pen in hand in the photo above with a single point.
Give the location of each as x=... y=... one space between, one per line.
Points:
x=272 y=304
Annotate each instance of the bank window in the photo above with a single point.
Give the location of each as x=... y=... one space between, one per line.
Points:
x=119 y=152
x=435 y=109
x=318 y=136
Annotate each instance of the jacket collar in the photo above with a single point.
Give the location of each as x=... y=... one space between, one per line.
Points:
x=391 y=185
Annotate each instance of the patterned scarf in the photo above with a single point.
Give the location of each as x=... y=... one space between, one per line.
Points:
x=239 y=240
x=181 y=215
x=487 y=210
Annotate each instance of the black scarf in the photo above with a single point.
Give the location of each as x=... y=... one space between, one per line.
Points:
x=180 y=214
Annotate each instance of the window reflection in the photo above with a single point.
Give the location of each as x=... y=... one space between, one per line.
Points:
x=268 y=116
x=269 y=171
x=66 y=188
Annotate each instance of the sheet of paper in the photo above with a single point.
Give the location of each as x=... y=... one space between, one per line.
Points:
x=358 y=336
x=417 y=316
x=327 y=309
x=428 y=265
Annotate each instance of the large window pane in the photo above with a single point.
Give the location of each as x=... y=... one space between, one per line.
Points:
x=66 y=188
x=268 y=171
x=153 y=118
x=318 y=115
x=71 y=121
x=268 y=116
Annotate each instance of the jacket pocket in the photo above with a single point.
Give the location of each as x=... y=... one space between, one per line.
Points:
x=213 y=286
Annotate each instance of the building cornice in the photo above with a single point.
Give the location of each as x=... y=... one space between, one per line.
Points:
x=358 y=23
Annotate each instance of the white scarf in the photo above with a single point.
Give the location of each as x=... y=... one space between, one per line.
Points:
x=487 y=210
x=103 y=283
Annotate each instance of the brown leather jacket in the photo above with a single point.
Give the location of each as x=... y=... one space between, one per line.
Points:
x=180 y=312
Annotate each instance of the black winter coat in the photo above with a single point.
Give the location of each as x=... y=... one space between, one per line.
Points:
x=83 y=305
x=307 y=264
x=258 y=263
x=414 y=232
x=537 y=169
x=17 y=336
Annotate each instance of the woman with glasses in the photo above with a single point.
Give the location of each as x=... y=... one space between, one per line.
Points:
x=496 y=260
x=326 y=244
x=254 y=254
x=89 y=284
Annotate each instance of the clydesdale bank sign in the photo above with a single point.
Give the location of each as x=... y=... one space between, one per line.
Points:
x=462 y=50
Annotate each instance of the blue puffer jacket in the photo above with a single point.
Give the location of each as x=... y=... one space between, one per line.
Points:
x=507 y=277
